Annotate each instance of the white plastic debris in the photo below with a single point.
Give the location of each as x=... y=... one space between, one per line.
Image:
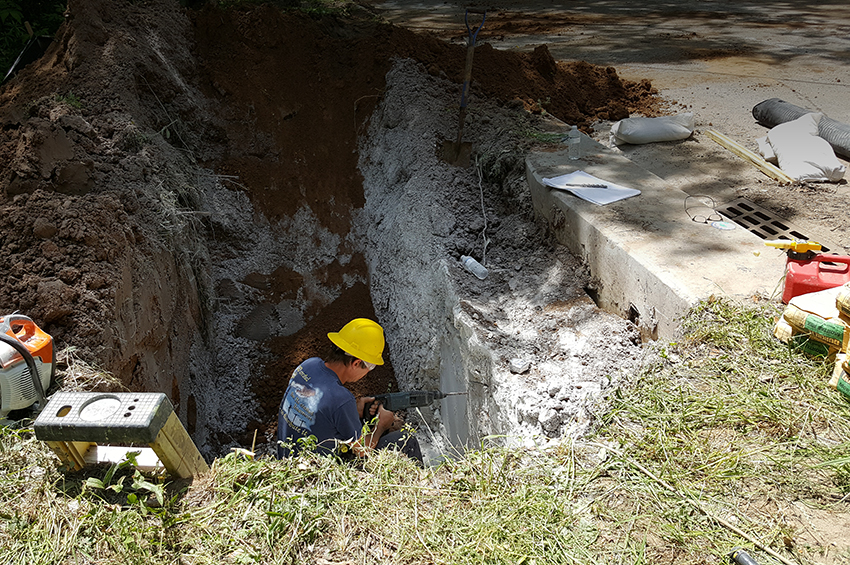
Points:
x=801 y=154
x=766 y=150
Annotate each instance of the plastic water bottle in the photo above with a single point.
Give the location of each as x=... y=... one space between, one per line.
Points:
x=574 y=143
x=474 y=267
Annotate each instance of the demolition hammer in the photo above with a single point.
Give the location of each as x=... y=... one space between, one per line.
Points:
x=394 y=401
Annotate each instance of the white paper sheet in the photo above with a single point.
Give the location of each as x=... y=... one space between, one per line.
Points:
x=600 y=196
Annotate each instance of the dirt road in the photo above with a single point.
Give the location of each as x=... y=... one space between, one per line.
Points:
x=716 y=59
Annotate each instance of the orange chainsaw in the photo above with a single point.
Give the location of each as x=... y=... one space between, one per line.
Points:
x=27 y=364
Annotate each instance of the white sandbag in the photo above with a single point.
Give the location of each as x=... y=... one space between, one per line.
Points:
x=766 y=150
x=651 y=130
x=802 y=155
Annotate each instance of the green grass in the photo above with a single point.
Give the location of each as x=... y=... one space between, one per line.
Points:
x=717 y=443
x=735 y=420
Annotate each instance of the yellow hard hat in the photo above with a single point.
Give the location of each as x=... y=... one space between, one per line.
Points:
x=361 y=338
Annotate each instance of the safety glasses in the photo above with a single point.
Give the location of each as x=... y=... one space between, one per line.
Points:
x=369 y=366
x=701 y=209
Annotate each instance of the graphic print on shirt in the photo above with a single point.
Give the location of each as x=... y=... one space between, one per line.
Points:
x=300 y=406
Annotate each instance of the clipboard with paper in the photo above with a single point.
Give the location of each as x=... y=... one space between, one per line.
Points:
x=590 y=188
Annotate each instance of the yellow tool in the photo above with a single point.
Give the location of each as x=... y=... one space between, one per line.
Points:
x=797 y=246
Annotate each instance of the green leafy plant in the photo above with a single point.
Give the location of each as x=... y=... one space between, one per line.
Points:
x=139 y=485
x=10 y=12
x=542 y=137
x=43 y=16
x=70 y=99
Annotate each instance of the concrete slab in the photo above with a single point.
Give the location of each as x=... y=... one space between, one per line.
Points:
x=651 y=261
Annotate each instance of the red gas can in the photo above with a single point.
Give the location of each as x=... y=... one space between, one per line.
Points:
x=820 y=272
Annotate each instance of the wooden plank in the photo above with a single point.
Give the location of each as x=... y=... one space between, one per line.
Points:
x=770 y=170
x=71 y=453
x=63 y=454
x=177 y=451
x=80 y=448
x=172 y=449
x=183 y=444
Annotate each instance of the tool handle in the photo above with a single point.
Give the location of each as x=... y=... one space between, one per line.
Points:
x=395 y=401
x=467 y=74
x=836 y=260
x=467 y=79
x=473 y=32
x=14 y=324
x=741 y=557
x=366 y=416
x=796 y=245
x=379 y=398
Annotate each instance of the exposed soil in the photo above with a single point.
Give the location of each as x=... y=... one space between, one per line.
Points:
x=114 y=241
x=183 y=200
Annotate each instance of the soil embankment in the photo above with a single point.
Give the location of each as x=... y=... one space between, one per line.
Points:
x=180 y=187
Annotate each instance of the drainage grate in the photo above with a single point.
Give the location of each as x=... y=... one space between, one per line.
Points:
x=763 y=223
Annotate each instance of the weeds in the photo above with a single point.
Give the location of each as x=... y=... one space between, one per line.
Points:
x=718 y=445
x=325 y=7
x=74 y=374
x=70 y=99
x=734 y=420
x=139 y=484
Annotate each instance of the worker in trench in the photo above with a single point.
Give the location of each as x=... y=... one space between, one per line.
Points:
x=317 y=404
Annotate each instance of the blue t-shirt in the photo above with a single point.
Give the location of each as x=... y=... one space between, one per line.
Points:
x=316 y=404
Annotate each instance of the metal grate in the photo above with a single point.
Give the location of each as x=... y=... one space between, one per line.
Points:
x=764 y=223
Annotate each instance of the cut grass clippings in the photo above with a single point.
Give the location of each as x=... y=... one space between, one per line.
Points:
x=723 y=441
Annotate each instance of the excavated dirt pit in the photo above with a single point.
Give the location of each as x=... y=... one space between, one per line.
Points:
x=194 y=199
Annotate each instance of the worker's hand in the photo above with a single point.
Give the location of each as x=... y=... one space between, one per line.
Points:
x=361 y=404
x=367 y=403
x=398 y=424
x=385 y=417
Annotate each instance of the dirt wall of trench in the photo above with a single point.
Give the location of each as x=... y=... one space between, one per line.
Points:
x=179 y=188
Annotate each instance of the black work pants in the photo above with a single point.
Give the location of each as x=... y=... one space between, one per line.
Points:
x=402 y=441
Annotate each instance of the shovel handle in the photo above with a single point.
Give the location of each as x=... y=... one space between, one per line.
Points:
x=473 y=32
x=470 y=49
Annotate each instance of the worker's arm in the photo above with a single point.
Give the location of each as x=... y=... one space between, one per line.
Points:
x=368 y=442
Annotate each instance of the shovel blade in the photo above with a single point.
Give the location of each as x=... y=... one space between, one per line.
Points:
x=454 y=153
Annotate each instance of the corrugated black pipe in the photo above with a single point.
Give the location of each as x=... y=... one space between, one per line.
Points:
x=774 y=111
